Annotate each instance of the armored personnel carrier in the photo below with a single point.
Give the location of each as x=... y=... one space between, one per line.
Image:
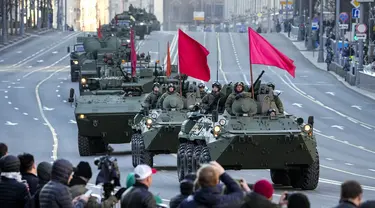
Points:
x=105 y=110
x=255 y=137
x=156 y=131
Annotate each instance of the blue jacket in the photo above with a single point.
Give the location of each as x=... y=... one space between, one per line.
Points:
x=213 y=197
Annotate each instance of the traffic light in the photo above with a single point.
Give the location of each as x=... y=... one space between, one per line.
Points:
x=354 y=32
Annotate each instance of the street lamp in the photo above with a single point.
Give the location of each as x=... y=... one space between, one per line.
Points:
x=321 y=49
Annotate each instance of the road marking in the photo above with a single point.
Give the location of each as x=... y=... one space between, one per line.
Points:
x=57 y=90
x=19 y=87
x=36 y=119
x=220 y=57
x=237 y=60
x=348 y=164
x=19 y=52
x=58 y=86
x=347 y=172
x=337 y=126
x=10 y=103
x=72 y=122
x=365 y=126
x=64 y=101
x=5 y=81
x=61 y=82
x=47 y=109
x=9 y=87
x=297 y=104
x=16 y=108
x=356 y=106
x=8 y=123
x=6 y=97
x=54 y=52
x=41 y=110
x=371 y=170
x=338 y=183
x=6 y=91
x=58 y=95
x=58 y=61
x=331 y=93
x=1 y=61
x=330 y=159
x=25 y=114
x=40 y=61
x=30 y=67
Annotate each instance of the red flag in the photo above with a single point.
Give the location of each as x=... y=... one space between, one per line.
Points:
x=192 y=57
x=133 y=53
x=169 y=65
x=100 y=31
x=262 y=52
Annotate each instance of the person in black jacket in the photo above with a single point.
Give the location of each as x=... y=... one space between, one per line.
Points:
x=138 y=195
x=56 y=193
x=44 y=170
x=3 y=149
x=351 y=195
x=186 y=189
x=13 y=192
x=28 y=171
x=208 y=195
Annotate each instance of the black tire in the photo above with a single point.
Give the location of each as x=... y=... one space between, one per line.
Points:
x=306 y=178
x=205 y=156
x=188 y=168
x=280 y=177
x=145 y=157
x=196 y=154
x=135 y=150
x=84 y=146
x=142 y=37
x=180 y=161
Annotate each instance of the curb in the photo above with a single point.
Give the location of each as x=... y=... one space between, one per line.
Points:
x=340 y=79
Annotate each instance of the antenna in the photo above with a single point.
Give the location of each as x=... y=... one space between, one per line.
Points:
x=217 y=56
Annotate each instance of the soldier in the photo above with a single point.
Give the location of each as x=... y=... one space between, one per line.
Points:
x=170 y=91
x=202 y=90
x=153 y=97
x=210 y=101
x=276 y=98
x=237 y=94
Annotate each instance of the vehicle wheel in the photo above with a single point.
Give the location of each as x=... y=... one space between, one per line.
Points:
x=189 y=151
x=142 y=37
x=196 y=154
x=280 y=177
x=205 y=156
x=306 y=178
x=84 y=146
x=145 y=157
x=180 y=161
x=135 y=149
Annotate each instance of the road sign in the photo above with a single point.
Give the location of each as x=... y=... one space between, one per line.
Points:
x=344 y=26
x=361 y=36
x=344 y=16
x=314 y=26
x=355 y=3
x=355 y=13
x=259 y=14
x=361 y=28
x=199 y=16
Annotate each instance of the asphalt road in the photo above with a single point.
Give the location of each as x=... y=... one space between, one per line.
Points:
x=36 y=117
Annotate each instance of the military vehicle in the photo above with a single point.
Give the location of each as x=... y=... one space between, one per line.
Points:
x=156 y=131
x=105 y=110
x=255 y=137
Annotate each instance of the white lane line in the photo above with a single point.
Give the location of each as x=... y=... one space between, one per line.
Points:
x=329 y=159
x=57 y=90
x=6 y=97
x=36 y=119
x=220 y=57
x=338 y=183
x=41 y=111
x=16 y=108
x=64 y=101
x=58 y=86
x=25 y=114
x=58 y=61
x=6 y=91
x=347 y=172
x=10 y=103
x=237 y=60
x=371 y=170
x=58 y=95
x=349 y=164
x=364 y=126
x=8 y=123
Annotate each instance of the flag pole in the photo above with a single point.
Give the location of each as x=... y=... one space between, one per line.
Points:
x=251 y=66
x=217 y=56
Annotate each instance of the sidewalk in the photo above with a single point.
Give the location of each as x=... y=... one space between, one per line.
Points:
x=312 y=56
x=15 y=39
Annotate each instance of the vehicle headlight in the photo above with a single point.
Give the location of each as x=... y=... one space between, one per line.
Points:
x=81 y=116
x=149 y=121
x=222 y=122
x=128 y=41
x=75 y=62
x=141 y=23
x=307 y=128
x=83 y=81
x=217 y=129
x=154 y=115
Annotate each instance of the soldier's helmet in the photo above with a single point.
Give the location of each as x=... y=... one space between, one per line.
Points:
x=201 y=85
x=272 y=85
x=156 y=84
x=239 y=84
x=171 y=85
x=217 y=84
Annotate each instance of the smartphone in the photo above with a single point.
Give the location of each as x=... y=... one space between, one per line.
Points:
x=88 y=193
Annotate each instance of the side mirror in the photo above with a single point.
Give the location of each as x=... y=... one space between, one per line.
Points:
x=215 y=116
x=68 y=49
x=310 y=120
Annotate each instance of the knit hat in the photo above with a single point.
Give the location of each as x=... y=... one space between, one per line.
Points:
x=83 y=169
x=10 y=163
x=264 y=188
x=44 y=170
x=61 y=170
x=130 y=180
x=298 y=200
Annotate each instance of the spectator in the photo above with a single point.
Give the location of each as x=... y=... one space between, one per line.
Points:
x=13 y=192
x=28 y=171
x=56 y=192
x=208 y=195
x=43 y=170
x=261 y=196
x=83 y=174
x=368 y=204
x=351 y=194
x=3 y=149
x=298 y=200
x=138 y=195
x=186 y=189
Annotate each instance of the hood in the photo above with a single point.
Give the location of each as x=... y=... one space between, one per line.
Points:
x=208 y=196
x=254 y=200
x=61 y=171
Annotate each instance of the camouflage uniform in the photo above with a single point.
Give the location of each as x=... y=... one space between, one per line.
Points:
x=152 y=99
x=277 y=100
x=203 y=93
x=209 y=101
x=235 y=96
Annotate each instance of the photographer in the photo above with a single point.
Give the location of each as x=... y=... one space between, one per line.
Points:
x=82 y=174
